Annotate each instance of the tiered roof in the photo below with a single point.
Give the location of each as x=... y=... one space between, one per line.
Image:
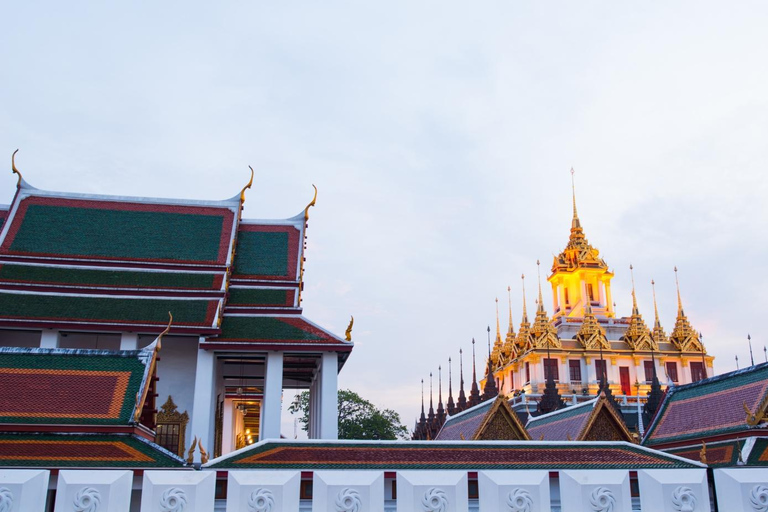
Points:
x=719 y=407
x=491 y=420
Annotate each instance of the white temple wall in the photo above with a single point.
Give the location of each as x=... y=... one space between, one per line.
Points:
x=176 y=371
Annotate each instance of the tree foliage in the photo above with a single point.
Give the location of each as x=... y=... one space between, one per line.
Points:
x=358 y=418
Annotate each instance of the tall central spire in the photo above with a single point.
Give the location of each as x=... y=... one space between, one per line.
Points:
x=462 y=402
x=474 y=394
x=575 y=224
x=451 y=404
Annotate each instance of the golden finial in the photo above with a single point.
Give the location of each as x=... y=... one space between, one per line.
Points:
x=242 y=192
x=655 y=307
x=541 y=437
x=703 y=453
x=191 y=453
x=509 y=294
x=634 y=298
x=311 y=203
x=679 y=301
x=575 y=222
x=568 y=437
x=14 y=169
x=160 y=337
x=203 y=453
x=525 y=313
x=498 y=328
x=538 y=271
x=461 y=436
x=348 y=334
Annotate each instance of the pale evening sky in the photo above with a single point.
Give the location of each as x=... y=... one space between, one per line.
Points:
x=439 y=135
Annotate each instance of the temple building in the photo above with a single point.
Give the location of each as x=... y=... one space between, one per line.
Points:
x=88 y=282
x=584 y=338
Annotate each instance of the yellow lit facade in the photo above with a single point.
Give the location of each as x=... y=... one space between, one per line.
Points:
x=584 y=335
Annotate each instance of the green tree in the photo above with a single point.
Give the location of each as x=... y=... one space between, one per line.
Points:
x=358 y=418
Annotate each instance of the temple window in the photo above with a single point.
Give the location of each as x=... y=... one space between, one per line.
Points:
x=648 y=365
x=567 y=300
x=590 y=293
x=697 y=371
x=527 y=372
x=574 y=367
x=600 y=369
x=171 y=428
x=672 y=370
x=550 y=368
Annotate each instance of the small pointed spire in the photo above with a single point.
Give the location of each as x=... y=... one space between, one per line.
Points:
x=684 y=336
x=440 y=409
x=462 y=403
x=489 y=390
x=525 y=313
x=451 y=404
x=635 y=311
x=655 y=307
x=498 y=329
x=538 y=271
x=509 y=293
x=474 y=394
x=679 y=301
x=431 y=424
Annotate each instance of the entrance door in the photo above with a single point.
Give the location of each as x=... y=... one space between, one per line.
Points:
x=626 y=387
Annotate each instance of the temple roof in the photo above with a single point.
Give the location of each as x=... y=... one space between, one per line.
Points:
x=83 y=451
x=73 y=386
x=577 y=421
x=730 y=403
x=316 y=455
x=275 y=332
x=750 y=451
x=492 y=418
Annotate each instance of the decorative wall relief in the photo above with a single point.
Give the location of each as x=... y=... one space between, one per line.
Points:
x=87 y=499
x=261 y=500
x=683 y=499
x=6 y=499
x=348 y=500
x=435 y=500
x=173 y=500
x=519 y=500
x=602 y=500
x=758 y=498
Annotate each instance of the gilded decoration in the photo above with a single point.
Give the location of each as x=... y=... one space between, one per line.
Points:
x=591 y=334
x=171 y=427
x=684 y=337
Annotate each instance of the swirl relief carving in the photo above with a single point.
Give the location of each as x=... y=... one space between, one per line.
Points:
x=261 y=500
x=348 y=500
x=434 y=500
x=6 y=499
x=602 y=500
x=758 y=498
x=683 y=499
x=173 y=500
x=519 y=500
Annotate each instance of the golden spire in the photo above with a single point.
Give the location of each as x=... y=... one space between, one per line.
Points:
x=684 y=336
x=247 y=186
x=523 y=340
x=498 y=329
x=509 y=294
x=575 y=224
x=659 y=336
x=637 y=335
x=591 y=334
x=14 y=170
x=543 y=333
x=508 y=349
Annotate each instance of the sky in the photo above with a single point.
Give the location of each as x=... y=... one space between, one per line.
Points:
x=440 y=136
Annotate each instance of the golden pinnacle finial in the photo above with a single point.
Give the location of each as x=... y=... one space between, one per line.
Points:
x=311 y=203
x=498 y=328
x=14 y=169
x=348 y=333
x=525 y=312
x=634 y=299
x=242 y=192
x=655 y=307
x=538 y=271
x=575 y=222
x=679 y=301
x=509 y=294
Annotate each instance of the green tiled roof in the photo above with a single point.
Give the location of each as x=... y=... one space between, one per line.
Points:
x=96 y=277
x=106 y=309
x=262 y=253
x=265 y=328
x=258 y=297
x=83 y=451
x=68 y=386
x=119 y=233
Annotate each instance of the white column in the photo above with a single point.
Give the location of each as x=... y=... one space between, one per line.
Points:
x=329 y=393
x=314 y=393
x=129 y=341
x=227 y=428
x=273 y=389
x=202 y=405
x=49 y=339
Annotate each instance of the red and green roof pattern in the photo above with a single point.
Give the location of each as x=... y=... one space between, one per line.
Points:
x=726 y=453
x=710 y=407
x=273 y=331
x=83 y=451
x=69 y=386
x=120 y=231
x=477 y=455
x=261 y=297
x=267 y=252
